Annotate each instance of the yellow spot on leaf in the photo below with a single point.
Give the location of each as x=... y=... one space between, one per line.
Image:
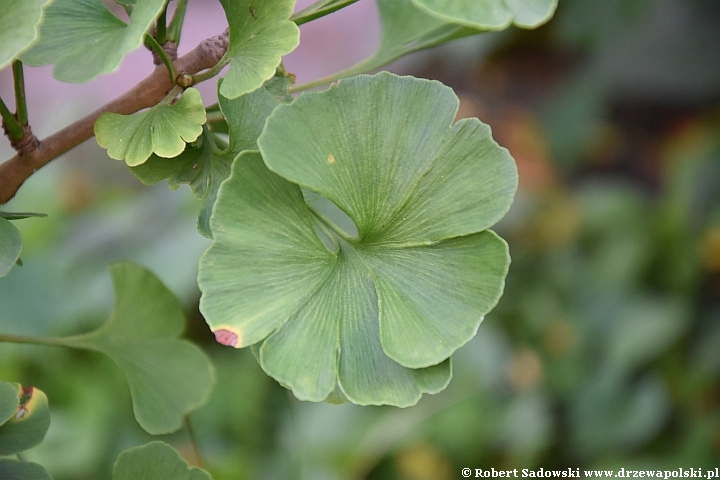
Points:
x=331 y=159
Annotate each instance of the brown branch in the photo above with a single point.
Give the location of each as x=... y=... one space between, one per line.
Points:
x=145 y=94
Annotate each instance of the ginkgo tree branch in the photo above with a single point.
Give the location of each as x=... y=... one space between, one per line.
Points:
x=148 y=92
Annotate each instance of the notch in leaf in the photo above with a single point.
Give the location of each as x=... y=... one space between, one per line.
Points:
x=379 y=316
x=168 y=376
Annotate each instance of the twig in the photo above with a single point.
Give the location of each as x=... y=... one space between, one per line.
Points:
x=147 y=93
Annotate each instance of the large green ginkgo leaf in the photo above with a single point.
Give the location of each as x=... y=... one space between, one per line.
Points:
x=19 y=22
x=380 y=313
x=155 y=461
x=84 y=39
x=168 y=377
x=260 y=34
x=203 y=165
x=12 y=469
x=163 y=129
x=491 y=14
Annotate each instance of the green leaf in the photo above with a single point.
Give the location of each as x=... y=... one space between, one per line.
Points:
x=16 y=470
x=9 y=400
x=20 y=20
x=20 y=215
x=163 y=129
x=406 y=29
x=168 y=377
x=84 y=39
x=10 y=246
x=490 y=14
x=381 y=312
x=260 y=34
x=155 y=461
x=29 y=423
x=203 y=165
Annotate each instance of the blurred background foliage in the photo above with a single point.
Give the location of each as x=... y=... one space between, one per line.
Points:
x=603 y=352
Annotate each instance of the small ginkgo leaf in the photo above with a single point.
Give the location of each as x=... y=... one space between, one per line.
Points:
x=9 y=400
x=84 y=39
x=203 y=165
x=11 y=469
x=260 y=34
x=168 y=376
x=155 y=461
x=379 y=313
x=491 y=14
x=28 y=425
x=163 y=129
x=19 y=23
x=10 y=246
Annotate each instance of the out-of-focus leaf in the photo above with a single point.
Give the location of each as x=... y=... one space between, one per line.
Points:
x=84 y=39
x=491 y=14
x=611 y=414
x=202 y=165
x=10 y=246
x=16 y=470
x=28 y=425
x=20 y=215
x=19 y=22
x=155 y=461
x=9 y=400
x=168 y=377
x=163 y=129
x=260 y=34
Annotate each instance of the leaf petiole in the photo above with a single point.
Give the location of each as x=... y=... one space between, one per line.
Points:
x=175 y=28
x=319 y=9
x=161 y=26
x=20 y=103
x=14 y=129
x=211 y=72
x=155 y=46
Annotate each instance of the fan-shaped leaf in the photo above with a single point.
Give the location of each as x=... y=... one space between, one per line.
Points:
x=155 y=461
x=203 y=165
x=20 y=20
x=490 y=14
x=9 y=400
x=168 y=377
x=28 y=424
x=10 y=246
x=84 y=39
x=260 y=33
x=16 y=470
x=414 y=284
x=163 y=129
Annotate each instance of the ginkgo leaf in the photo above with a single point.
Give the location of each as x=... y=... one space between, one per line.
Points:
x=260 y=34
x=168 y=376
x=491 y=14
x=10 y=246
x=9 y=400
x=29 y=423
x=20 y=20
x=405 y=28
x=84 y=39
x=155 y=461
x=15 y=469
x=378 y=313
x=163 y=129
x=203 y=165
